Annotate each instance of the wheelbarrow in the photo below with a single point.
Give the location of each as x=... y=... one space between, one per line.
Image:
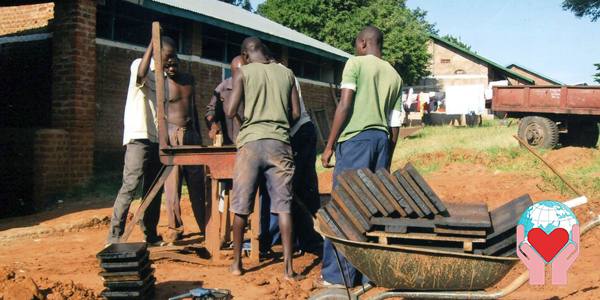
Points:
x=413 y=272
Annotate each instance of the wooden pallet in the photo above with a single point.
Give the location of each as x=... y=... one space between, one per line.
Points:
x=467 y=243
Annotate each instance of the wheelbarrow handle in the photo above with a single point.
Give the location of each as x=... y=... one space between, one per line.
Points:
x=182 y=296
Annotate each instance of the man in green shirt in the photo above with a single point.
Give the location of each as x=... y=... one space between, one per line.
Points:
x=271 y=106
x=365 y=126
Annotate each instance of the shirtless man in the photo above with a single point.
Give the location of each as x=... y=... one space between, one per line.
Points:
x=183 y=128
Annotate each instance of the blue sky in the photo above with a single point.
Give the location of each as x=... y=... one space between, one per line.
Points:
x=537 y=34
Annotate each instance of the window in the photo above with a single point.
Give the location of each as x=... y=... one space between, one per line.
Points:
x=129 y=23
x=445 y=60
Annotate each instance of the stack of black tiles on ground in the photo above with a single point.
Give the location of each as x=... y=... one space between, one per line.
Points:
x=127 y=271
x=401 y=208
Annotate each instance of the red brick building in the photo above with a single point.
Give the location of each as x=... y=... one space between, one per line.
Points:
x=65 y=70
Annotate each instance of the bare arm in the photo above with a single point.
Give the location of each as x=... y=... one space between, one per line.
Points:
x=145 y=64
x=295 y=104
x=394 y=133
x=236 y=95
x=339 y=119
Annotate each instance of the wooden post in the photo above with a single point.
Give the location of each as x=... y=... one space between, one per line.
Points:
x=160 y=85
x=212 y=238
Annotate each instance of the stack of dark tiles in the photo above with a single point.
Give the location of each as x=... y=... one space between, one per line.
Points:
x=127 y=271
x=402 y=206
x=501 y=240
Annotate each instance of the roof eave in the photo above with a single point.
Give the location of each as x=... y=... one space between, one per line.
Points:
x=553 y=81
x=183 y=13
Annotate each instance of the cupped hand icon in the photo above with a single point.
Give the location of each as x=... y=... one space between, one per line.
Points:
x=532 y=260
x=565 y=258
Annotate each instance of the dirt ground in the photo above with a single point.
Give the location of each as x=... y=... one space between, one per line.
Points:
x=53 y=253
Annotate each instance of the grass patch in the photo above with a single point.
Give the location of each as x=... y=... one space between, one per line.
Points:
x=491 y=145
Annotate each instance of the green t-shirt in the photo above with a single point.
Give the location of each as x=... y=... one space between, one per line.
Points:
x=377 y=91
x=267 y=103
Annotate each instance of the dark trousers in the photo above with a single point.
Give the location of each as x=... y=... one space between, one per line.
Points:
x=305 y=186
x=368 y=149
x=141 y=164
x=194 y=177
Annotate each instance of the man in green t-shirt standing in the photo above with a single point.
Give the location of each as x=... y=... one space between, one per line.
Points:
x=271 y=106
x=365 y=127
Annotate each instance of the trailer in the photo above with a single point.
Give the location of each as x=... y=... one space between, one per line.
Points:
x=552 y=114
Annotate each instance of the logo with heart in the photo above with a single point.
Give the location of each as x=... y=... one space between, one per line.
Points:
x=548 y=245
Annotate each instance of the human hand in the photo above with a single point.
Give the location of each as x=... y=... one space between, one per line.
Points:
x=326 y=158
x=532 y=260
x=565 y=258
x=214 y=130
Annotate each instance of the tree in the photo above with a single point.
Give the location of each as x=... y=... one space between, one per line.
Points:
x=597 y=75
x=245 y=4
x=582 y=8
x=457 y=41
x=336 y=22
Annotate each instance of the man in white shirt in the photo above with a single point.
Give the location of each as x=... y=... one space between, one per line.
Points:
x=140 y=136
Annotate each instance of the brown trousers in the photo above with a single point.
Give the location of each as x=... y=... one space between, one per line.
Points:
x=194 y=177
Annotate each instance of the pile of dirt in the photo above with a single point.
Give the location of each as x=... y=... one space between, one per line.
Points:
x=571 y=156
x=14 y=287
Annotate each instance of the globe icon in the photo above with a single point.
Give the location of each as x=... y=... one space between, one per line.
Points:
x=548 y=215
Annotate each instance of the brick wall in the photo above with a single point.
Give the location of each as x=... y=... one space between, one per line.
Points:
x=50 y=164
x=445 y=61
x=74 y=82
x=25 y=18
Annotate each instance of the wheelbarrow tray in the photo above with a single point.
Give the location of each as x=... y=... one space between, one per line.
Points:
x=412 y=268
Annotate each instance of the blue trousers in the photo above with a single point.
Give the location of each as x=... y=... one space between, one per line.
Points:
x=368 y=149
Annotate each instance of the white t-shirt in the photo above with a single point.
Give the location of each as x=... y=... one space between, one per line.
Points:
x=140 y=120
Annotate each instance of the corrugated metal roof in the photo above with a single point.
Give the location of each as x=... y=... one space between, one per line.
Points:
x=536 y=74
x=237 y=19
x=494 y=65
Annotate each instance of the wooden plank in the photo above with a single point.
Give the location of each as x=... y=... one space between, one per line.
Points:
x=418 y=192
x=341 y=199
x=505 y=217
x=405 y=195
x=384 y=177
x=367 y=210
x=425 y=237
x=367 y=196
x=387 y=196
x=362 y=175
x=424 y=186
x=344 y=224
x=327 y=224
x=459 y=231
x=411 y=193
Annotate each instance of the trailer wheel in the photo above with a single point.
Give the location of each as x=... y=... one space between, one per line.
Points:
x=582 y=134
x=539 y=132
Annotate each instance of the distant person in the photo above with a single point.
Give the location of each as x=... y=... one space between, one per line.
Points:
x=270 y=108
x=184 y=129
x=140 y=137
x=215 y=110
x=365 y=127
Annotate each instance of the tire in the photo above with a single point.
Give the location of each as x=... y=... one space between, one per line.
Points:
x=582 y=134
x=539 y=132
